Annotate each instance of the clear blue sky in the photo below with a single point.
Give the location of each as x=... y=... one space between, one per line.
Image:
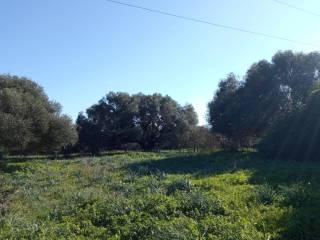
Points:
x=78 y=50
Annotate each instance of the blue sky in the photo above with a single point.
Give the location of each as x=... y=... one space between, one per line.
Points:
x=79 y=50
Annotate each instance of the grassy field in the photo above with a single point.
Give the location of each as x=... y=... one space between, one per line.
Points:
x=169 y=195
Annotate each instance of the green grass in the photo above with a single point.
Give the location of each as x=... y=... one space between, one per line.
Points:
x=167 y=195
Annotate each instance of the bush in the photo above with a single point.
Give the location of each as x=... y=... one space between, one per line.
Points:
x=157 y=205
x=154 y=185
x=295 y=195
x=180 y=185
x=224 y=228
x=179 y=229
x=196 y=204
x=266 y=194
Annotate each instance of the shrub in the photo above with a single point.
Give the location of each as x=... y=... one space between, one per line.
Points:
x=5 y=191
x=180 y=185
x=153 y=185
x=179 y=229
x=157 y=205
x=196 y=204
x=295 y=195
x=224 y=228
x=105 y=212
x=266 y=194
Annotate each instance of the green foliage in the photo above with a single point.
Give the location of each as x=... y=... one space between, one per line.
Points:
x=223 y=109
x=297 y=136
x=296 y=195
x=180 y=229
x=122 y=121
x=169 y=195
x=196 y=205
x=29 y=122
x=5 y=191
x=266 y=194
x=269 y=94
x=202 y=138
x=180 y=185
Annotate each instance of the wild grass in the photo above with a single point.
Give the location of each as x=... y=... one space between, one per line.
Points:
x=167 y=195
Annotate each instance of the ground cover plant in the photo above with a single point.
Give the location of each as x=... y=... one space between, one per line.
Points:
x=167 y=195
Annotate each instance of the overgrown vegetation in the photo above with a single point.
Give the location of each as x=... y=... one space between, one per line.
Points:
x=174 y=194
x=266 y=109
x=168 y=195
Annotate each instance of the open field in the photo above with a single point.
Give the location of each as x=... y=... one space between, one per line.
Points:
x=167 y=195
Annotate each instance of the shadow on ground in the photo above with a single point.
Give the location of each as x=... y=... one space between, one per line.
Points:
x=301 y=221
x=7 y=167
x=201 y=165
x=204 y=165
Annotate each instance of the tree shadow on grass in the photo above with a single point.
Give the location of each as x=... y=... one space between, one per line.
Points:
x=204 y=165
x=196 y=164
x=301 y=221
x=301 y=224
x=8 y=167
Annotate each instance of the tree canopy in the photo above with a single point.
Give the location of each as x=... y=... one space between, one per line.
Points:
x=29 y=121
x=151 y=121
x=275 y=103
x=296 y=137
x=270 y=91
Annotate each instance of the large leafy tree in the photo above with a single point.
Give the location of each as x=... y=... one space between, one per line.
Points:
x=297 y=137
x=298 y=72
x=164 y=123
x=152 y=121
x=110 y=123
x=29 y=121
x=224 y=109
x=270 y=92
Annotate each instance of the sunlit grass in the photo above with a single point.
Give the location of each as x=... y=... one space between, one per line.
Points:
x=168 y=195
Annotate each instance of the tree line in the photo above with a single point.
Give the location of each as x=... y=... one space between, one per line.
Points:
x=274 y=107
x=30 y=123
x=123 y=121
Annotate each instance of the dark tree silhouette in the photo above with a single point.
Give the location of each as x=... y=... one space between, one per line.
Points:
x=270 y=91
x=297 y=137
x=119 y=120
